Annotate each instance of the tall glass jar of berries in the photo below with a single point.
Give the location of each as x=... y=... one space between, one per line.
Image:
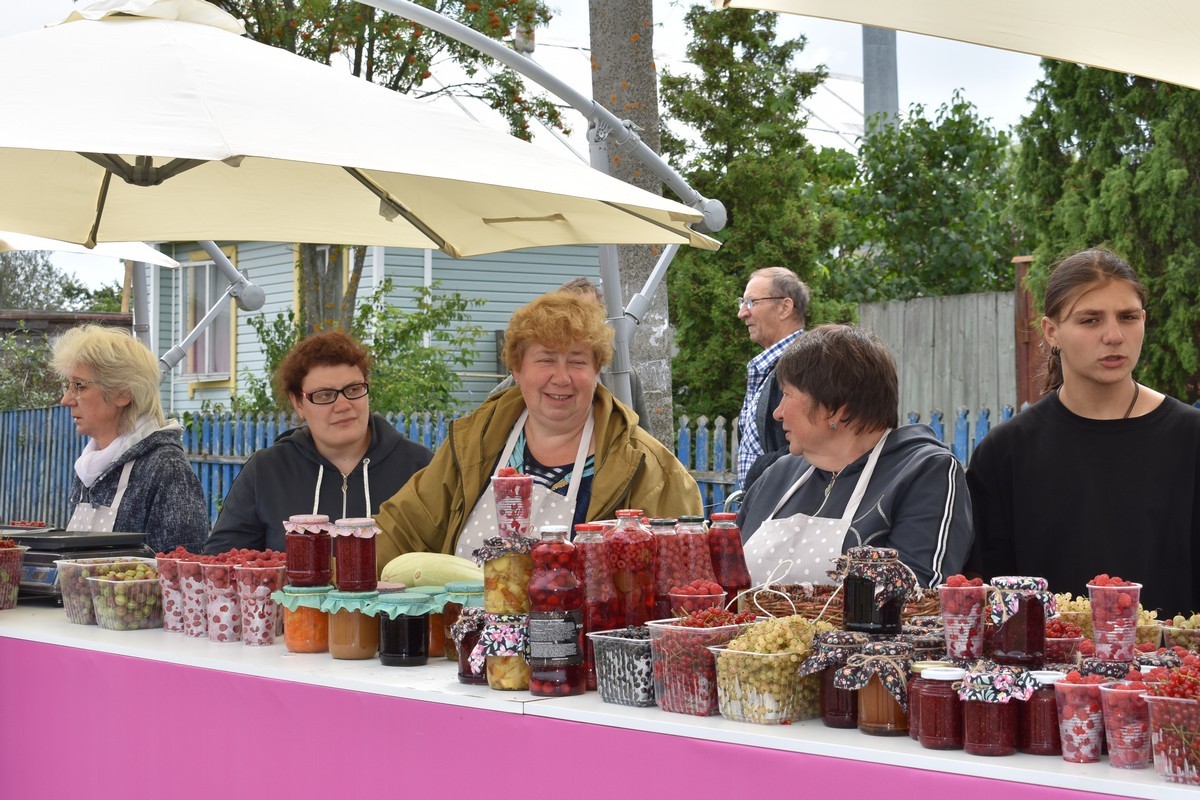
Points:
x=631 y=558
x=671 y=568
x=693 y=538
x=600 y=611
x=555 y=617
x=728 y=559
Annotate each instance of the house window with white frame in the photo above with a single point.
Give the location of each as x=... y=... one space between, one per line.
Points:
x=211 y=356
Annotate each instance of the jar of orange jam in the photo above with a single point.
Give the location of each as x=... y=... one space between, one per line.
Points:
x=353 y=633
x=305 y=625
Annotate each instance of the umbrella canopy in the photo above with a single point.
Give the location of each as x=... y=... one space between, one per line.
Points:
x=130 y=251
x=1154 y=38
x=156 y=120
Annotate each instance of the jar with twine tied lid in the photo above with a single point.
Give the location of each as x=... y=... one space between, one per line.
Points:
x=989 y=715
x=1018 y=607
x=839 y=707
x=876 y=584
x=880 y=673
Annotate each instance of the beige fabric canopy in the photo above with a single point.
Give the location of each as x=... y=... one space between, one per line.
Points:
x=1154 y=38
x=130 y=251
x=154 y=120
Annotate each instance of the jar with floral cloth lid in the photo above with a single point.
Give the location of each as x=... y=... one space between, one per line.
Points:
x=880 y=673
x=925 y=622
x=991 y=696
x=353 y=631
x=305 y=623
x=403 y=627
x=308 y=546
x=465 y=632
x=1164 y=658
x=354 y=549
x=459 y=594
x=875 y=586
x=1018 y=607
x=437 y=632
x=1114 y=670
x=916 y=686
x=831 y=649
x=927 y=645
x=507 y=568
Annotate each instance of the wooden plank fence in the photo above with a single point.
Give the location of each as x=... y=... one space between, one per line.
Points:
x=38 y=448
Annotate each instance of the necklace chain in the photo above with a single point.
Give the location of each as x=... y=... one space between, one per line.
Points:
x=1137 y=388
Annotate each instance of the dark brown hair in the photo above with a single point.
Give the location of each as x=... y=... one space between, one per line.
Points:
x=844 y=366
x=1070 y=278
x=331 y=348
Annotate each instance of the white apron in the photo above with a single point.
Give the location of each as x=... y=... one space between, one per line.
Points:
x=88 y=517
x=545 y=507
x=809 y=541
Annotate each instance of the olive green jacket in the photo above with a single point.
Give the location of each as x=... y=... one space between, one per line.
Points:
x=633 y=470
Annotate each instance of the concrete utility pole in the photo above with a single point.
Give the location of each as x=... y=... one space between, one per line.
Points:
x=881 y=93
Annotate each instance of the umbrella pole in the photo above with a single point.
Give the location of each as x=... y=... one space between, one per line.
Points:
x=141 y=304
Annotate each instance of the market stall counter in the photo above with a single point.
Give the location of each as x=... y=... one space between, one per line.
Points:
x=96 y=713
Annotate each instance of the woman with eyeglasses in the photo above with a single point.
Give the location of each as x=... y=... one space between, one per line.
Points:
x=133 y=475
x=342 y=462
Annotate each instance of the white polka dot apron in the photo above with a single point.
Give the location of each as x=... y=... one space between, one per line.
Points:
x=545 y=507
x=88 y=517
x=809 y=541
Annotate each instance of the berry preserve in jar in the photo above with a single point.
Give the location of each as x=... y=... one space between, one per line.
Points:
x=989 y=729
x=403 y=629
x=308 y=546
x=941 y=710
x=354 y=549
x=728 y=557
x=556 y=667
x=875 y=587
x=600 y=612
x=831 y=649
x=1037 y=717
x=631 y=550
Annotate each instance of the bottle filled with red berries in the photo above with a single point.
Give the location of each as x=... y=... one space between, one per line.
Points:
x=631 y=550
x=728 y=558
x=556 y=656
x=600 y=612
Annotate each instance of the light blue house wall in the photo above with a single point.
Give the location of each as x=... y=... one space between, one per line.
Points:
x=504 y=281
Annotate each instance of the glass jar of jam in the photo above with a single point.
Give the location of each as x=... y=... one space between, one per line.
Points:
x=671 y=568
x=306 y=538
x=437 y=618
x=458 y=595
x=1017 y=613
x=880 y=672
x=305 y=625
x=353 y=633
x=631 y=550
x=403 y=628
x=600 y=611
x=831 y=649
x=941 y=714
x=916 y=685
x=693 y=539
x=1037 y=717
x=728 y=558
x=354 y=548
x=991 y=695
x=875 y=588
x=556 y=667
x=465 y=632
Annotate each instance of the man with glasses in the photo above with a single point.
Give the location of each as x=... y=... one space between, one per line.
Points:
x=773 y=308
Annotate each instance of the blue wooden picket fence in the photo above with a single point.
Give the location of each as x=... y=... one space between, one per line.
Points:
x=38 y=448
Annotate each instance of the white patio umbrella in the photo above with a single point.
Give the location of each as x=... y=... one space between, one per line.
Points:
x=156 y=120
x=1154 y=38
x=130 y=251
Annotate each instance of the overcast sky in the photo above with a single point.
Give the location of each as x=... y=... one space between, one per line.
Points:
x=930 y=70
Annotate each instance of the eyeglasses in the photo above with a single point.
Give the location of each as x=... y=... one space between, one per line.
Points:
x=75 y=388
x=748 y=302
x=323 y=397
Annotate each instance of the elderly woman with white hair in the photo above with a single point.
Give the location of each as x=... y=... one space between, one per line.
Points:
x=133 y=475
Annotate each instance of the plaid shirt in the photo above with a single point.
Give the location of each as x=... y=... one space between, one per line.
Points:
x=750 y=445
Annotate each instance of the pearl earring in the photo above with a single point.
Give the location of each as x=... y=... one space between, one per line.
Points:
x=833 y=426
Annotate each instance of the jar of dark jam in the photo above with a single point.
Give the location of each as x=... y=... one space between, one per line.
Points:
x=728 y=557
x=403 y=629
x=1018 y=613
x=308 y=546
x=839 y=707
x=465 y=633
x=941 y=714
x=1037 y=717
x=458 y=595
x=863 y=608
x=989 y=729
x=354 y=549
x=916 y=686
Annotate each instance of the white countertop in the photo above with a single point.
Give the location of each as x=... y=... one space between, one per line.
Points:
x=437 y=682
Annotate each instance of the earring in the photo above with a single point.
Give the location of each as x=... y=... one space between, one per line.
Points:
x=1054 y=351
x=833 y=426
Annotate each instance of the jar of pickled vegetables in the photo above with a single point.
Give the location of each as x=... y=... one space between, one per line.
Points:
x=504 y=638
x=306 y=538
x=465 y=632
x=354 y=548
x=403 y=628
x=831 y=649
x=353 y=633
x=880 y=673
x=1017 y=611
x=990 y=697
x=600 y=612
x=458 y=595
x=728 y=558
x=437 y=619
x=875 y=587
x=941 y=713
x=631 y=550
x=305 y=625
x=507 y=568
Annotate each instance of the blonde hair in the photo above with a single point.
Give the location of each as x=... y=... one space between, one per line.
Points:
x=119 y=363
x=559 y=320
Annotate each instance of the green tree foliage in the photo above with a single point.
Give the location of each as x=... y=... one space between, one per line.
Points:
x=1111 y=159
x=744 y=106
x=25 y=378
x=415 y=353
x=29 y=280
x=929 y=209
